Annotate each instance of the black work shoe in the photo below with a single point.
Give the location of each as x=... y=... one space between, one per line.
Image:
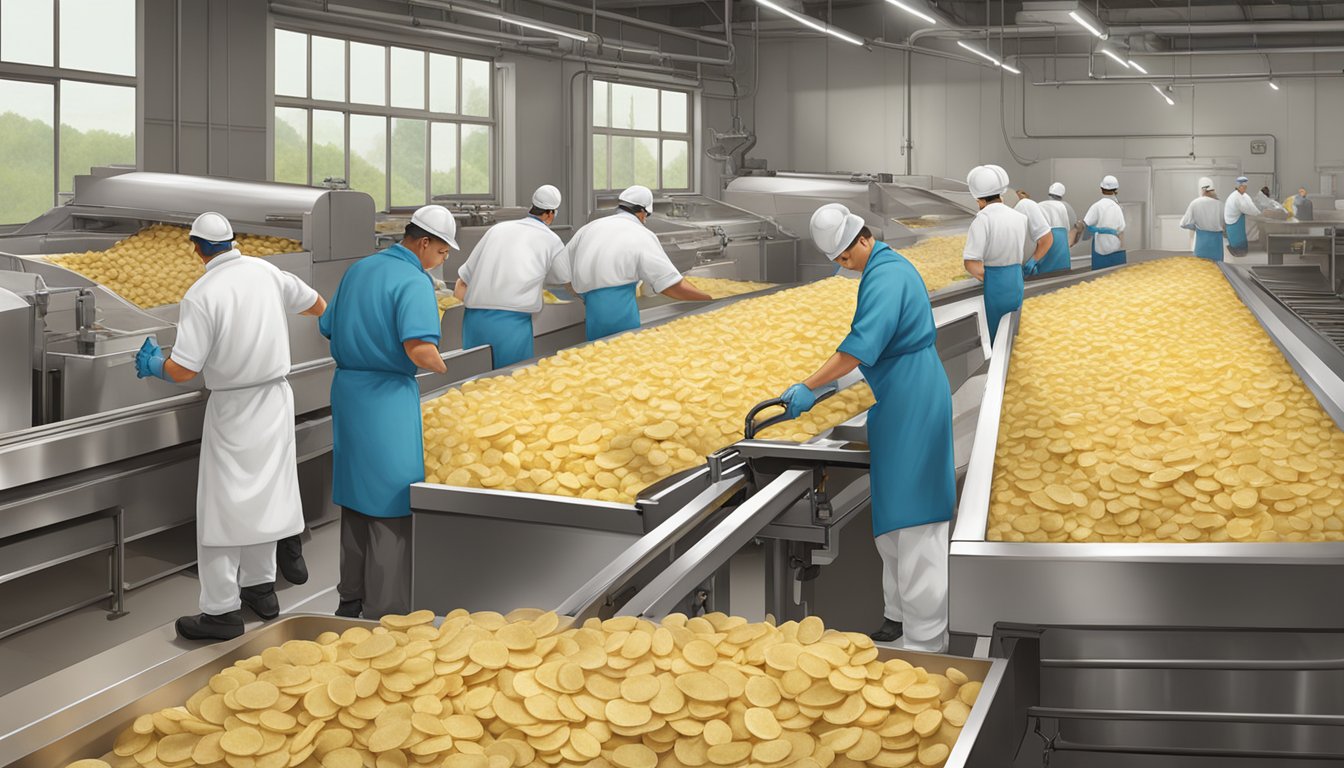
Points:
x=262 y=600
x=289 y=559
x=350 y=609
x=890 y=631
x=205 y=626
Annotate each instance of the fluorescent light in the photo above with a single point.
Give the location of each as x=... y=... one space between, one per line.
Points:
x=1170 y=103
x=1115 y=57
x=913 y=11
x=540 y=28
x=1086 y=24
x=1011 y=68
x=808 y=21
x=1137 y=66
x=974 y=50
x=1273 y=85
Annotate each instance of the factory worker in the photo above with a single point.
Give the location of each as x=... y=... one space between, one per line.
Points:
x=1300 y=206
x=1104 y=223
x=501 y=283
x=891 y=341
x=383 y=324
x=1204 y=217
x=1038 y=230
x=1266 y=202
x=232 y=330
x=1060 y=217
x=607 y=258
x=1235 y=210
x=996 y=242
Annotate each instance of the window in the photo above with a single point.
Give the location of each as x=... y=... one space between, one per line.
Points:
x=413 y=125
x=641 y=135
x=67 y=97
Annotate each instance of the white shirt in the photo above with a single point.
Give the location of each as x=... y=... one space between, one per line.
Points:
x=231 y=325
x=1204 y=213
x=507 y=268
x=997 y=236
x=618 y=250
x=1037 y=226
x=1238 y=203
x=1058 y=214
x=1106 y=214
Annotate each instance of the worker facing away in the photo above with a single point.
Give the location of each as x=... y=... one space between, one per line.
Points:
x=1300 y=206
x=891 y=341
x=996 y=242
x=1104 y=222
x=232 y=330
x=501 y=283
x=1204 y=217
x=608 y=257
x=1038 y=230
x=1235 y=211
x=1060 y=217
x=383 y=324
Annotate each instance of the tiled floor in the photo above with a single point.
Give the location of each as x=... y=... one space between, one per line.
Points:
x=38 y=652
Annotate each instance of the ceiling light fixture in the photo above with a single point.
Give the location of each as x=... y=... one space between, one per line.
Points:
x=1165 y=97
x=913 y=11
x=540 y=28
x=1115 y=57
x=1085 y=24
x=1012 y=69
x=1273 y=85
x=808 y=21
x=976 y=51
x=1137 y=66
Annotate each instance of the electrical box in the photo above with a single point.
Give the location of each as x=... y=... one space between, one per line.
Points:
x=1259 y=148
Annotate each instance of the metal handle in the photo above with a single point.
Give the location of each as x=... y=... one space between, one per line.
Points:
x=752 y=428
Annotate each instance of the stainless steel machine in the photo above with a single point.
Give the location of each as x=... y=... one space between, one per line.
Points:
x=1164 y=654
x=97 y=468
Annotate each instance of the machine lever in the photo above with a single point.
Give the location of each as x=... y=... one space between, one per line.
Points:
x=752 y=428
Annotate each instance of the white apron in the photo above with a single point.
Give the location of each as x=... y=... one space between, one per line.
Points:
x=248 y=486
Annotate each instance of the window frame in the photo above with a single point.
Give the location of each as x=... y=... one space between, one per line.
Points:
x=659 y=136
x=53 y=75
x=388 y=113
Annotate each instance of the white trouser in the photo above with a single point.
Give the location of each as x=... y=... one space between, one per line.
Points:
x=224 y=570
x=914 y=583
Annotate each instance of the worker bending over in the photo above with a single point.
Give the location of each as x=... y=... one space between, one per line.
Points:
x=891 y=341
x=995 y=244
x=383 y=324
x=608 y=257
x=501 y=283
x=1061 y=218
x=1204 y=217
x=1105 y=224
x=232 y=329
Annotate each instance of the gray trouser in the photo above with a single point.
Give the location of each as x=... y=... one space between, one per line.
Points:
x=376 y=562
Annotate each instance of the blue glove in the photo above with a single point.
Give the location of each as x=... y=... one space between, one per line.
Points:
x=1031 y=266
x=798 y=400
x=149 y=361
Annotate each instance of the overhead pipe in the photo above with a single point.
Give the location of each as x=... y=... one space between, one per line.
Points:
x=1198 y=52
x=636 y=22
x=1200 y=78
x=401 y=24
x=456 y=6
x=1201 y=30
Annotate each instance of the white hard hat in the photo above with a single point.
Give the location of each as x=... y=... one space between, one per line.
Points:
x=1109 y=183
x=1057 y=189
x=987 y=181
x=834 y=228
x=547 y=198
x=1205 y=183
x=437 y=221
x=638 y=196
x=212 y=227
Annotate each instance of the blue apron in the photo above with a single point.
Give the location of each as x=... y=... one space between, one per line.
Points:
x=1057 y=258
x=610 y=310
x=1100 y=261
x=1003 y=294
x=1236 y=236
x=910 y=426
x=1209 y=245
x=508 y=334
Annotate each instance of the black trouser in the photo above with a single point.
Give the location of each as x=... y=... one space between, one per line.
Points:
x=376 y=562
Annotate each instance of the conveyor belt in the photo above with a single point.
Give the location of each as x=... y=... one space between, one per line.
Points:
x=1307 y=294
